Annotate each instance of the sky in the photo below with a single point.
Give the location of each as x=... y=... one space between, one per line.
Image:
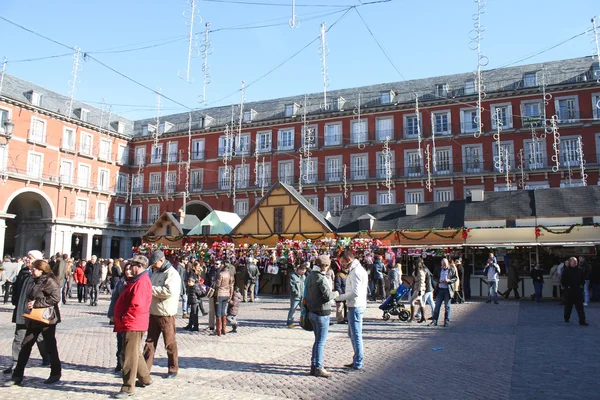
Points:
x=422 y=39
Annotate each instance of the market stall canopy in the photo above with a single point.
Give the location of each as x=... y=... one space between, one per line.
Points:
x=173 y=224
x=216 y=223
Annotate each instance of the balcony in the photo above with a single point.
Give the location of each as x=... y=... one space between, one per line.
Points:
x=532 y=122
x=382 y=134
x=68 y=146
x=569 y=117
x=198 y=155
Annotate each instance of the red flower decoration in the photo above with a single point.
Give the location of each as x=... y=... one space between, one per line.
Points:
x=538 y=232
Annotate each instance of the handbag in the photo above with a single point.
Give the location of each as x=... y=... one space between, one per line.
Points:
x=304 y=320
x=42 y=315
x=210 y=292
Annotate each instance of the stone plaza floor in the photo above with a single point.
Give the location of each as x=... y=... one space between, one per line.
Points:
x=513 y=350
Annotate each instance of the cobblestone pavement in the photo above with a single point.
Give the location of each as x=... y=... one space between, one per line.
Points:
x=514 y=350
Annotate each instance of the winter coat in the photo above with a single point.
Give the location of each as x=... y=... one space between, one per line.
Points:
x=395 y=275
x=116 y=292
x=251 y=274
x=451 y=279
x=60 y=270
x=211 y=277
x=194 y=294
x=166 y=288
x=318 y=293
x=93 y=273
x=21 y=288
x=132 y=309
x=297 y=286
x=555 y=275
x=183 y=276
x=419 y=284
x=513 y=278
x=79 y=275
x=586 y=268
x=378 y=269
x=224 y=285
x=573 y=280
x=45 y=292
x=356 y=286
x=234 y=304
x=537 y=275
x=595 y=277
x=340 y=282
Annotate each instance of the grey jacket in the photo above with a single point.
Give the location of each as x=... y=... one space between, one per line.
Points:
x=318 y=293
x=297 y=286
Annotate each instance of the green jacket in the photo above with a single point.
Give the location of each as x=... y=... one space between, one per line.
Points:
x=297 y=286
x=318 y=293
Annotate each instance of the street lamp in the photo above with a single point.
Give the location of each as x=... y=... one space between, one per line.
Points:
x=8 y=132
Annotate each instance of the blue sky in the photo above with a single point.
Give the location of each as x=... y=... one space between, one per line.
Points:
x=422 y=38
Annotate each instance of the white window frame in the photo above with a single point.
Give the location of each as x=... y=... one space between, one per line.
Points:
x=120 y=213
x=62 y=176
x=337 y=206
x=65 y=143
x=242 y=176
x=383 y=199
x=81 y=213
x=283 y=167
x=410 y=156
x=82 y=181
x=139 y=157
x=225 y=177
x=38 y=137
x=172 y=154
x=501 y=187
x=153 y=212
x=359 y=174
x=439 y=159
x=196 y=180
x=137 y=183
x=333 y=138
x=101 y=217
x=259 y=179
x=170 y=181
x=198 y=149
x=104 y=186
x=511 y=156
x=120 y=186
x=381 y=134
x=467 y=189
x=281 y=145
x=410 y=194
x=596 y=105
x=5 y=115
x=333 y=175
x=315 y=141
x=467 y=123
x=524 y=116
x=313 y=200
x=562 y=151
x=310 y=172
x=264 y=141
x=123 y=154
x=380 y=167
x=241 y=207
x=242 y=144
x=541 y=158
x=537 y=185
x=137 y=215
x=105 y=153
x=470 y=87
x=509 y=115
x=156 y=153
x=441 y=90
x=86 y=143
x=359 y=199
x=291 y=109
x=36 y=98
x=434 y=125
x=469 y=165
x=561 y=118
x=84 y=114
x=356 y=135
x=408 y=131
x=530 y=79
x=573 y=183
x=154 y=182
x=443 y=194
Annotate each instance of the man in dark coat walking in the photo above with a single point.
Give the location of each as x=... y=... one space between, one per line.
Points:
x=93 y=273
x=573 y=280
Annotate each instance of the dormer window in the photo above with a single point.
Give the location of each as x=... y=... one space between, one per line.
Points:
x=291 y=109
x=84 y=114
x=207 y=121
x=164 y=127
x=120 y=127
x=148 y=129
x=338 y=104
x=386 y=97
x=441 y=90
x=530 y=79
x=35 y=98
x=470 y=87
x=249 y=115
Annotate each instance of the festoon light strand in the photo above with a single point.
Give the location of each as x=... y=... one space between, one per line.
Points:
x=323 y=52
x=191 y=14
x=359 y=138
x=206 y=50
x=74 y=80
x=475 y=36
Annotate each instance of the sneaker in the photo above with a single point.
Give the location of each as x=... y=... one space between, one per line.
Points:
x=291 y=326
x=122 y=395
x=488 y=301
x=584 y=324
x=141 y=384
x=171 y=375
x=8 y=370
x=586 y=304
x=52 y=379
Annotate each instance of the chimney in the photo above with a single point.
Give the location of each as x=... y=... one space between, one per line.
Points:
x=181 y=215
x=412 y=209
x=365 y=222
x=477 y=195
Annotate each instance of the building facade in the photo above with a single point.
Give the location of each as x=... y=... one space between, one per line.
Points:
x=359 y=146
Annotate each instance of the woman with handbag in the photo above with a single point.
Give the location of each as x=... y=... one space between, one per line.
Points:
x=42 y=316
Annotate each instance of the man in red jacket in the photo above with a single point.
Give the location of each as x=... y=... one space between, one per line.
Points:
x=132 y=317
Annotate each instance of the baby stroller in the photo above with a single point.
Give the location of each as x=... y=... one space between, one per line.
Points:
x=392 y=306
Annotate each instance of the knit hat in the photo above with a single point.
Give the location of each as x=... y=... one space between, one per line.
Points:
x=324 y=260
x=156 y=256
x=142 y=260
x=36 y=254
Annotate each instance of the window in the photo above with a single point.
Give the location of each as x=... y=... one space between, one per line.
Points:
x=385 y=197
x=242 y=176
x=83 y=175
x=535 y=153
x=286 y=172
x=101 y=212
x=469 y=121
x=291 y=109
x=443 y=161
x=531 y=114
x=414 y=196
x=278 y=220
x=333 y=169
x=384 y=129
x=225 y=177
x=164 y=127
x=359 y=166
x=241 y=207
x=441 y=90
x=440 y=121
x=309 y=171
x=170 y=181
x=122 y=183
x=249 y=115
x=504 y=115
x=4 y=116
x=472 y=160
x=85 y=144
x=571 y=183
x=411 y=127
x=136 y=215
x=66 y=171
x=359 y=131
x=359 y=199
x=242 y=144
x=140 y=156
x=206 y=230
x=137 y=183
x=286 y=139
x=468 y=189
x=263 y=175
x=119 y=214
x=36 y=98
x=172 y=155
x=333 y=134
x=596 y=106
x=333 y=204
x=198 y=149
x=148 y=129
x=443 y=195
x=157 y=152
x=311 y=136
x=537 y=185
x=196 y=180
x=37 y=131
x=470 y=87
x=3 y=157
x=123 y=154
x=155 y=179
x=569 y=151
x=68 y=139
x=263 y=142
x=386 y=97
x=506 y=156
x=104 y=152
x=103 y=179
x=84 y=114
x=153 y=213
x=530 y=79
x=567 y=109
x=313 y=201
x=382 y=165
x=81 y=209
x=503 y=188
x=120 y=127
x=413 y=163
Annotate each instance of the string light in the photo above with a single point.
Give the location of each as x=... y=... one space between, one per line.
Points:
x=556 y=144
x=387 y=159
x=189 y=158
x=263 y=176
x=74 y=81
x=596 y=40
x=294 y=22
x=308 y=141
x=4 y=62
x=323 y=51
x=522 y=168
x=507 y=169
x=476 y=35
x=301 y=172
x=581 y=162
x=546 y=97
x=433 y=156
x=357 y=115
x=345 y=177
x=192 y=15
x=498 y=159
x=419 y=138
x=428 y=167
x=206 y=50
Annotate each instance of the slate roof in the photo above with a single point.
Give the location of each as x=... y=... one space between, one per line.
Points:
x=502 y=205
x=582 y=201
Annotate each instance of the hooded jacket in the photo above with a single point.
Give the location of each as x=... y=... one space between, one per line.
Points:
x=132 y=308
x=318 y=293
x=166 y=288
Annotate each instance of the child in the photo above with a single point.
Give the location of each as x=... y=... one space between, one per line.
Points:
x=194 y=295
x=232 y=309
x=117 y=290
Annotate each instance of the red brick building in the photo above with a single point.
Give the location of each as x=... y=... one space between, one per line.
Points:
x=196 y=166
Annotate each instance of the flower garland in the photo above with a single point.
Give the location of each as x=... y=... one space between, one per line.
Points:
x=561 y=231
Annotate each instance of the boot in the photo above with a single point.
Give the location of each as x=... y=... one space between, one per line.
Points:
x=312 y=370
x=322 y=373
x=234 y=328
x=223 y=325
x=217 y=331
x=422 y=310
x=412 y=314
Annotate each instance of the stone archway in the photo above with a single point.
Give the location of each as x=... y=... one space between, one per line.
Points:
x=198 y=208
x=30 y=229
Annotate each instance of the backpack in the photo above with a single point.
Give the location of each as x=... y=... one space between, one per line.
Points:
x=304 y=319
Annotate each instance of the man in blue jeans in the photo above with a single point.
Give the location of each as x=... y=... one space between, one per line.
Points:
x=296 y=292
x=492 y=271
x=445 y=291
x=356 y=298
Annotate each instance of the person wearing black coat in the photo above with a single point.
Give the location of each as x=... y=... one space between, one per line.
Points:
x=194 y=300
x=378 y=275
x=211 y=281
x=339 y=285
x=93 y=273
x=573 y=280
x=537 y=276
